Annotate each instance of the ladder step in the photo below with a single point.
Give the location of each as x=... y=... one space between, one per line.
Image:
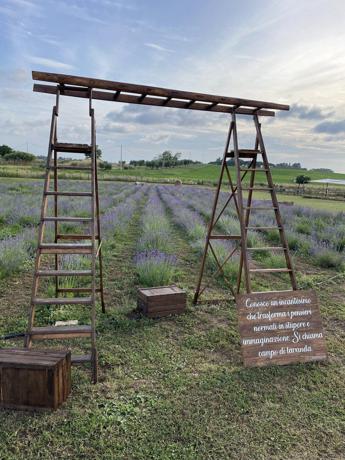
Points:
x=72 y=148
x=254 y=169
x=263 y=228
x=244 y=153
x=268 y=248
x=260 y=208
x=68 y=194
x=62 y=300
x=60 y=332
x=68 y=219
x=66 y=236
x=64 y=273
x=269 y=270
x=80 y=359
x=258 y=189
x=225 y=237
x=72 y=168
x=58 y=248
x=81 y=289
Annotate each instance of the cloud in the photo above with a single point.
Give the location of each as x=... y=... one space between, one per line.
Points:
x=49 y=62
x=158 y=47
x=305 y=112
x=331 y=127
x=158 y=116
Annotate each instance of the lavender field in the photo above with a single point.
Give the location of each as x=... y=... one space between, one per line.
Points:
x=314 y=237
x=165 y=383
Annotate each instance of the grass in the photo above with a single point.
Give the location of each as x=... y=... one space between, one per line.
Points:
x=201 y=172
x=175 y=389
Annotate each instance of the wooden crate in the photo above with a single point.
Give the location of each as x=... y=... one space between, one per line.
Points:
x=34 y=379
x=161 y=301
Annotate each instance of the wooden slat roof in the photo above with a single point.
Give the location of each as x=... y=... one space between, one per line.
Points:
x=150 y=95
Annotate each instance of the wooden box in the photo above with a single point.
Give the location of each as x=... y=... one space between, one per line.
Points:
x=34 y=379
x=161 y=301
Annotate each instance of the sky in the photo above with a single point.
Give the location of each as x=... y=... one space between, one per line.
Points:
x=290 y=52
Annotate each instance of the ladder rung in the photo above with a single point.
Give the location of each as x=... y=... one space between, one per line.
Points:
x=68 y=219
x=81 y=289
x=58 y=248
x=268 y=248
x=66 y=236
x=80 y=359
x=258 y=189
x=68 y=193
x=64 y=273
x=72 y=148
x=254 y=169
x=72 y=168
x=60 y=332
x=225 y=237
x=62 y=300
x=244 y=153
x=269 y=270
x=263 y=228
x=260 y=208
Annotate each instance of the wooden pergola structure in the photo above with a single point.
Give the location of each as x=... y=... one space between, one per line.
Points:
x=96 y=89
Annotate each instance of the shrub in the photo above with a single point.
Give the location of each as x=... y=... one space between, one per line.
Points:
x=329 y=259
x=155 y=268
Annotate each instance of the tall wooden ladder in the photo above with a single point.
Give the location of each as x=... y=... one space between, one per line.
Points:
x=87 y=242
x=243 y=209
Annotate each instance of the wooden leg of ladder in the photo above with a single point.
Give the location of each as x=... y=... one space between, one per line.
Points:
x=100 y=260
x=275 y=205
x=240 y=207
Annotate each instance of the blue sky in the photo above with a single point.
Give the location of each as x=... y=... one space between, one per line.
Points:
x=291 y=52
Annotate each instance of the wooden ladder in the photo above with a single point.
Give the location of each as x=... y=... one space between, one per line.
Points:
x=88 y=243
x=243 y=210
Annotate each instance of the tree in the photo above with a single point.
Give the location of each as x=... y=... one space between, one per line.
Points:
x=5 y=150
x=105 y=165
x=98 y=153
x=301 y=179
x=19 y=157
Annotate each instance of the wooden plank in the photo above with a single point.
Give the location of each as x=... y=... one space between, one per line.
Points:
x=152 y=90
x=61 y=300
x=152 y=101
x=60 y=332
x=64 y=273
x=58 y=248
x=280 y=328
x=72 y=148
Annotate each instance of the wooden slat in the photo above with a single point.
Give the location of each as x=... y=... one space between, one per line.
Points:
x=71 y=168
x=57 y=248
x=60 y=332
x=64 y=273
x=75 y=237
x=152 y=101
x=87 y=194
x=80 y=359
x=225 y=237
x=151 y=90
x=61 y=300
x=67 y=219
x=71 y=148
x=269 y=270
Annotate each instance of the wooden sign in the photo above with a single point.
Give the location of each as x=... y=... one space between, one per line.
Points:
x=280 y=328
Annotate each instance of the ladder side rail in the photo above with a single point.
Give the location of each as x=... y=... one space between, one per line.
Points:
x=93 y=240
x=247 y=215
x=41 y=227
x=214 y=208
x=240 y=207
x=99 y=238
x=276 y=205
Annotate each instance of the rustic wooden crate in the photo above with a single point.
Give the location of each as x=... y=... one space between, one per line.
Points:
x=161 y=301
x=34 y=379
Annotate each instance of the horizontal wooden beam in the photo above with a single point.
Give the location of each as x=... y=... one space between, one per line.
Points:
x=153 y=101
x=152 y=90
